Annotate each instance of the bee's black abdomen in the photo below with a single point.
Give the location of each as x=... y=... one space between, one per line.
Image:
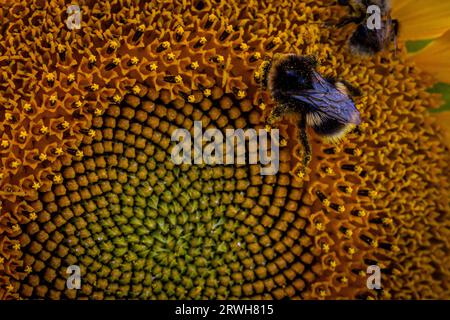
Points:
x=331 y=129
x=328 y=127
x=365 y=41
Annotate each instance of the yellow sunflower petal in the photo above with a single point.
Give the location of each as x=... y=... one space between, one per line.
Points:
x=435 y=58
x=443 y=120
x=421 y=19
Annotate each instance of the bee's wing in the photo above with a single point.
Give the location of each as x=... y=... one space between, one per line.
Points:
x=330 y=106
x=328 y=101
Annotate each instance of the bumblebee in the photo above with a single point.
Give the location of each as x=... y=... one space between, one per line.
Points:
x=323 y=104
x=365 y=40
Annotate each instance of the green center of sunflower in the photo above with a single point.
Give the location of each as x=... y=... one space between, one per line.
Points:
x=140 y=226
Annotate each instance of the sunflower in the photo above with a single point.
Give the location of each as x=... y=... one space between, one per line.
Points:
x=86 y=177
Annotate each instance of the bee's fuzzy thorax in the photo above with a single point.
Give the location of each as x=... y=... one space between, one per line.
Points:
x=278 y=82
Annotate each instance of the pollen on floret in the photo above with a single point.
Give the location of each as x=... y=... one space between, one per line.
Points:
x=59 y=151
x=153 y=67
x=65 y=124
x=71 y=77
x=319 y=226
x=256 y=56
x=42 y=157
x=36 y=185
x=136 y=89
x=359 y=213
x=134 y=60
x=194 y=65
x=328 y=170
x=57 y=178
x=332 y=263
x=5 y=143
x=178 y=79
x=79 y=154
x=191 y=98
x=117 y=98
x=358 y=169
x=218 y=58
x=207 y=92
x=15 y=164
x=61 y=48
x=170 y=56
x=243 y=46
x=179 y=30
x=241 y=94
x=113 y=44
x=50 y=77
x=212 y=17
x=277 y=40
x=91 y=133
x=27 y=107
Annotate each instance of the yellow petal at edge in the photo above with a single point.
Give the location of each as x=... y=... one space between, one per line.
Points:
x=420 y=19
x=435 y=58
x=443 y=120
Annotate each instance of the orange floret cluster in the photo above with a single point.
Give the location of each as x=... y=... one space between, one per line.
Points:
x=86 y=176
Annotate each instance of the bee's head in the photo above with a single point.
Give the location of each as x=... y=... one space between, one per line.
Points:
x=290 y=72
x=366 y=41
x=371 y=41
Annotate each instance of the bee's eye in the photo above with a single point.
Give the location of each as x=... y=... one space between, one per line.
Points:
x=294 y=77
x=291 y=73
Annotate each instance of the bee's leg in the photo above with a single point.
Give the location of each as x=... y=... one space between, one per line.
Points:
x=395 y=27
x=277 y=112
x=303 y=136
x=264 y=70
